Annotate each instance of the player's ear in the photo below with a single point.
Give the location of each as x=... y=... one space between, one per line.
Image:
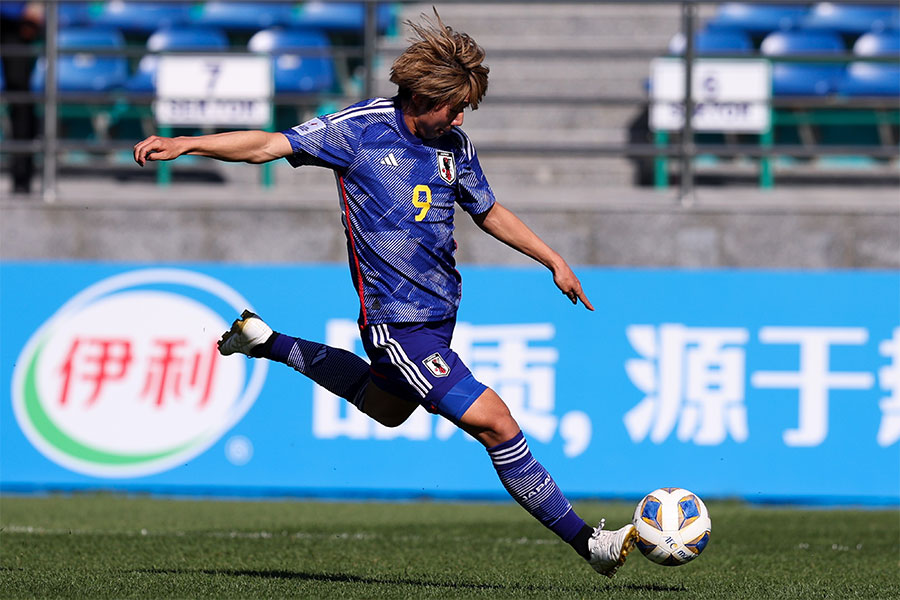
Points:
x=417 y=102
x=420 y=104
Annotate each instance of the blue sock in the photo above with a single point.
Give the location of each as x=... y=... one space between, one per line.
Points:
x=340 y=372
x=529 y=483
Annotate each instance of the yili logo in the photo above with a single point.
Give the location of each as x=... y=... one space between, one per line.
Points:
x=125 y=379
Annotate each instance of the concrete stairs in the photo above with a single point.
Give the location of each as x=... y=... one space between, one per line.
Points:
x=554 y=69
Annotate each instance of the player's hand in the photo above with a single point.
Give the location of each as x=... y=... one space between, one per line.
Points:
x=568 y=283
x=156 y=148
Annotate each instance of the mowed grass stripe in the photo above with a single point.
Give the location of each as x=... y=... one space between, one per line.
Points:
x=109 y=546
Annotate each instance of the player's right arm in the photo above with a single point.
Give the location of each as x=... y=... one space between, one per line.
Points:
x=252 y=146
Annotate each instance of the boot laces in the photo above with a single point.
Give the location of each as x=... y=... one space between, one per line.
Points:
x=598 y=532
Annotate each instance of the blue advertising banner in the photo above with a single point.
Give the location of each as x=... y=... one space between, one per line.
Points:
x=770 y=386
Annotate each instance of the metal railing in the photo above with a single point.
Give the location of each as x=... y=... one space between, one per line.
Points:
x=51 y=146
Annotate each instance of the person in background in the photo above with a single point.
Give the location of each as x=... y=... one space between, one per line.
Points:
x=20 y=24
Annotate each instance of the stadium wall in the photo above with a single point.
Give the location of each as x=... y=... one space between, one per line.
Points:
x=792 y=228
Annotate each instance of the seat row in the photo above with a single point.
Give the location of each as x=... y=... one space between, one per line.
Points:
x=856 y=78
x=131 y=17
x=842 y=18
x=302 y=59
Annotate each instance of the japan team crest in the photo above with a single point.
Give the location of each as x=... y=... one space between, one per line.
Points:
x=446 y=166
x=437 y=365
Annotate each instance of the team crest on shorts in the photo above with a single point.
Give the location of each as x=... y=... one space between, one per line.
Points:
x=446 y=166
x=437 y=365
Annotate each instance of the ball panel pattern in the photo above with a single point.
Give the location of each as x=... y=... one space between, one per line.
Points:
x=673 y=526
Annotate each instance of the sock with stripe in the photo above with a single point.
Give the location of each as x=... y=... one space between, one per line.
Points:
x=340 y=372
x=529 y=483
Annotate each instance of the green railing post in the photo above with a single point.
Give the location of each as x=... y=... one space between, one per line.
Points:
x=766 y=173
x=661 y=162
x=268 y=174
x=164 y=168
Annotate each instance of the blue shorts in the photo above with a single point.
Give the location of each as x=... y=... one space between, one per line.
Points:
x=414 y=361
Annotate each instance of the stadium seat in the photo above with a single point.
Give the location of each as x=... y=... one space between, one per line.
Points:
x=341 y=17
x=301 y=59
x=711 y=42
x=851 y=18
x=866 y=78
x=174 y=39
x=140 y=16
x=803 y=79
x=72 y=14
x=83 y=71
x=244 y=16
x=757 y=18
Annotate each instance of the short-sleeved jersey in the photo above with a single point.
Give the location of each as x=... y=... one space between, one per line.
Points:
x=398 y=196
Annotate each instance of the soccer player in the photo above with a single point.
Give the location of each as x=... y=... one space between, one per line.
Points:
x=401 y=165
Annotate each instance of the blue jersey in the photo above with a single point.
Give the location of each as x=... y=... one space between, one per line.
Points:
x=398 y=195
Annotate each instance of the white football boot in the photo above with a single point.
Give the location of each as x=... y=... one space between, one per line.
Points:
x=609 y=548
x=245 y=334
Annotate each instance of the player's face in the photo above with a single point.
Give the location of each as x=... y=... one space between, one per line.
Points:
x=438 y=121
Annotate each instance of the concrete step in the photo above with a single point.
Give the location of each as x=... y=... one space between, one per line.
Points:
x=556 y=78
x=547 y=118
x=584 y=25
x=511 y=173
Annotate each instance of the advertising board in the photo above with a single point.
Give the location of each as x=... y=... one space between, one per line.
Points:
x=771 y=386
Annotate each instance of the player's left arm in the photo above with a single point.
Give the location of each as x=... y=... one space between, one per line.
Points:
x=502 y=224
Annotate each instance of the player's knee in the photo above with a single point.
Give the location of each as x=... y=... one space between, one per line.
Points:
x=489 y=420
x=504 y=428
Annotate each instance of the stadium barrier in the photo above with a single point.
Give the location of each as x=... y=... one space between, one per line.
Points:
x=768 y=386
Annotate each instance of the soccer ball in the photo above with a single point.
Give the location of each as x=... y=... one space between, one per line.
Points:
x=672 y=525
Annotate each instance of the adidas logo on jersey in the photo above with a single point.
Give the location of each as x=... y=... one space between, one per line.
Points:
x=390 y=160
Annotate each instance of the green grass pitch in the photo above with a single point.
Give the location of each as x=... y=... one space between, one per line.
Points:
x=109 y=546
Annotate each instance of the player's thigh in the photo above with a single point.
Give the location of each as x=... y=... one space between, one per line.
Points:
x=388 y=409
x=488 y=420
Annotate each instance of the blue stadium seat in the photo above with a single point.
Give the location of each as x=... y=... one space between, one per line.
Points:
x=803 y=79
x=757 y=18
x=83 y=71
x=865 y=78
x=851 y=18
x=711 y=42
x=244 y=16
x=72 y=14
x=184 y=38
x=140 y=16
x=301 y=59
x=339 y=17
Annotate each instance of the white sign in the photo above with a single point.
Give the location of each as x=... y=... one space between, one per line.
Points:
x=215 y=89
x=728 y=95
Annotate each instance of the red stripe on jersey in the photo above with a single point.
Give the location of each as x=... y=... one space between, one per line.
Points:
x=359 y=277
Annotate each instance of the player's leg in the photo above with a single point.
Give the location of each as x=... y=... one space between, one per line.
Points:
x=489 y=421
x=341 y=372
x=388 y=409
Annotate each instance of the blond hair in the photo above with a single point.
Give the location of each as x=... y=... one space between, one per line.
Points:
x=442 y=65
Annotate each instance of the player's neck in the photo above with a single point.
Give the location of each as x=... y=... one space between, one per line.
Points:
x=409 y=117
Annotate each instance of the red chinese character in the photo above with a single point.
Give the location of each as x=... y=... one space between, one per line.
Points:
x=109 y=362
x=204 y=377
x=171 y=373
